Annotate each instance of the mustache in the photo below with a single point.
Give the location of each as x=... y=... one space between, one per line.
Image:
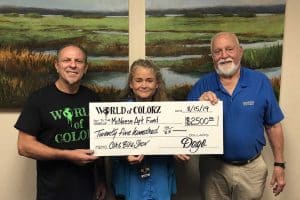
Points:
x=225 y=61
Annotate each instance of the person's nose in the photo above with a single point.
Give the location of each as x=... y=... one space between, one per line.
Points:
x=224 y=54
x=73 y=63
x=144 y=84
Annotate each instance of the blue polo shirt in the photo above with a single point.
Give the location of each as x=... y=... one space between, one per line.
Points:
x=251 y=106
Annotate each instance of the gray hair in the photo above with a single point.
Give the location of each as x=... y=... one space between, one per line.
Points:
x=72 y=45
x=223 y=33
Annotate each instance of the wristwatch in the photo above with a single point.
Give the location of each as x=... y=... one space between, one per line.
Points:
x=280 y=164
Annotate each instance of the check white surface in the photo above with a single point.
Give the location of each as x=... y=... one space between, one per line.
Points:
x=156 y=128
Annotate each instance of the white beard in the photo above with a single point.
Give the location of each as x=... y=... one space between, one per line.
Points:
x=226 y=67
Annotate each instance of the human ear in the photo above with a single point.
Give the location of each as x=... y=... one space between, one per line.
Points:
x=56 y=66
x=86 y=68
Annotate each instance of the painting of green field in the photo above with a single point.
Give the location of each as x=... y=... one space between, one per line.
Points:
x=178 y=37
x=29 y=39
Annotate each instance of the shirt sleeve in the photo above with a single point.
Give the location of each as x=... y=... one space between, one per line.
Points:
x=29 y=120
x=273 y=113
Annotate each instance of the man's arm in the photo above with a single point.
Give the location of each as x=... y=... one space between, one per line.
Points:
x=30 y=147
x=275 y=136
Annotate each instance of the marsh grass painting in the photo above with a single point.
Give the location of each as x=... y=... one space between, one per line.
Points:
x=30 y=37
x=180 y=37
x=21 y=72
x=177 y=39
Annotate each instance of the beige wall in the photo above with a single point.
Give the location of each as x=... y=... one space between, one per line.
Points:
x=290 y=97
x=17 y=174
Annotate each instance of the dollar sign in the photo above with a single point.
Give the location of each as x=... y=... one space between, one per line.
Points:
x=187 y=121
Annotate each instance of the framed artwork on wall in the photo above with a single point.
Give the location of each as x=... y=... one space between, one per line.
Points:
x=32 y=31
x=178 y=34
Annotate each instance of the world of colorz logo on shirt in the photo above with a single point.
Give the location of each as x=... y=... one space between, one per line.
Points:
x=74 y=117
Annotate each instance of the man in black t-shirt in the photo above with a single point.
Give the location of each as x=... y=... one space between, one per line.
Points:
x=54 y=129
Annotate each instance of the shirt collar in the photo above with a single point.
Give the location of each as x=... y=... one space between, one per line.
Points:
x=243 y=80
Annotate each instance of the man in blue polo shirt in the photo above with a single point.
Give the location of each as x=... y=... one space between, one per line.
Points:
x=250 y=107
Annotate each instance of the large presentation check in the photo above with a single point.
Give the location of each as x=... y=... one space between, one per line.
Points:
x=156 y=128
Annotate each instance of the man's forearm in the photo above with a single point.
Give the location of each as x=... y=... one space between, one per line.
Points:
x=275 y=136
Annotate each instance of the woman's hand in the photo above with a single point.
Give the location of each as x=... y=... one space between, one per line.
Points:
x=182 y=157
x=135 y=159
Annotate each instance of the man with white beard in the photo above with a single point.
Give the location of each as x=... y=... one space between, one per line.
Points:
x=249 y=108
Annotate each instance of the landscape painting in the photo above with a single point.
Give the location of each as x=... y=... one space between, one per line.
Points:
x=32 y=31
x=178 y=34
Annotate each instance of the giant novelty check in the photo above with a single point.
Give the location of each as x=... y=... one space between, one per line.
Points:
x=153 y=128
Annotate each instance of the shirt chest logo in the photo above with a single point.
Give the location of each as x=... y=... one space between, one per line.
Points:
x=248 y=103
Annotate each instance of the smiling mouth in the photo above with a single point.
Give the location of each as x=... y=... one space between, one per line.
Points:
x=144 y=91
x=72 y=73
x=225 y=62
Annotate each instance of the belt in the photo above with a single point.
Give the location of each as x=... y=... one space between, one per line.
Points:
x=241 y=162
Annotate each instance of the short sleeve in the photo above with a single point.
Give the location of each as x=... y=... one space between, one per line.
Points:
x=29 y=120
x=273 y=113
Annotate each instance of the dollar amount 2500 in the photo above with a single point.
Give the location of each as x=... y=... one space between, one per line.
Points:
x=199 y=121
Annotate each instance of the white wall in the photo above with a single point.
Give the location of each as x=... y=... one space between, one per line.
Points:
x=17 y=174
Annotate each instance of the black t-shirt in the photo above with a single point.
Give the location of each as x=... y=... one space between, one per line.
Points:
x=61 y=121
